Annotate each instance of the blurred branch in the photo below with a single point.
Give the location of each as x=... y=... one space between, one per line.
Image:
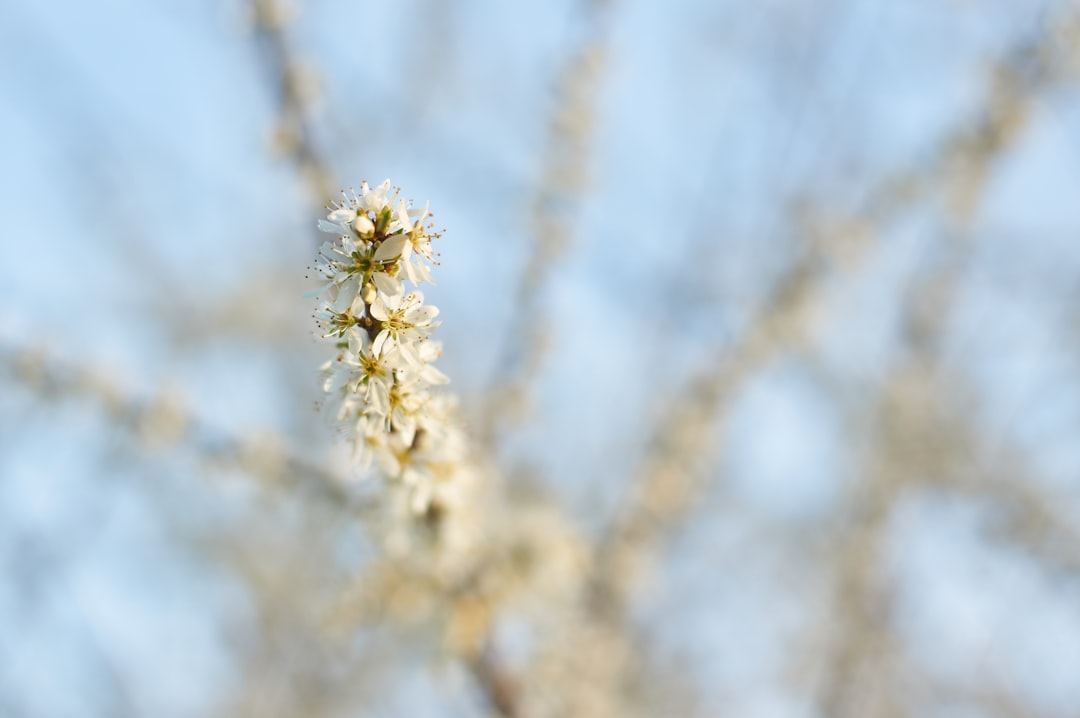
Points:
x=292 y=661
x=959 y=167
x=905 y=426
x=161 y=422
x=553 y=217
x=1024 y=514
x=923 y=439
x=920 y=436
x=293 y=87
x=668 y=484
x=497 y=684
x=678 y=454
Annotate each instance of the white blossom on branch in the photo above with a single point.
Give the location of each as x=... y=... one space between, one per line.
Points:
x=379 y=385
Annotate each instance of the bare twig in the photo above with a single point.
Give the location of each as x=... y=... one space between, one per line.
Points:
x=295 y=130
x=919 y=440
x=161 y=422
x=552 y=218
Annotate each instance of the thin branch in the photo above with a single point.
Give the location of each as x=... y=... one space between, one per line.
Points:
x=161 y=422
x=295 y=130
x=552 y=220
x=915 y=418
x=669 y=483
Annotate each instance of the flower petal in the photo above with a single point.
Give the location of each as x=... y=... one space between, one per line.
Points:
x=347 y=293
x=391 y=248
x=342 y=215
x=379 y=310
x=317 y=291
x=433 y=376
x=358 y=340
x=330 y=227
x=422 y=315
x=379 y=396
x=408 y=352
x=380 y=342
x=387 y=285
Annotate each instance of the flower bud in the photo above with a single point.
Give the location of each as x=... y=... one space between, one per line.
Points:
x=382 y=221
x=368 y=293
x=364 y=226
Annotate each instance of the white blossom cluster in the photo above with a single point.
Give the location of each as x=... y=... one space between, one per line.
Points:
x=379 y=385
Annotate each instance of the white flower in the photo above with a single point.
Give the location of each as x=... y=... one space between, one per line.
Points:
x=334 y=323
x=372 y=446
x=375 y=373
x=333 y=264
x=341 y=404
x=358 y=213
x=405 y=323
x=421 y=368
x=417 y=240
x=407 y=399
x=374 y=200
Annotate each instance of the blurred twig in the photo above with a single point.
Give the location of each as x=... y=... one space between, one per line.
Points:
x=919 y=437
x=161 y=422
x=563 y=180
x=670 y=480
x=295 y=129
x=666 y=486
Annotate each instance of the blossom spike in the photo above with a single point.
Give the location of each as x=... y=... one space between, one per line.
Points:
x=379 y=388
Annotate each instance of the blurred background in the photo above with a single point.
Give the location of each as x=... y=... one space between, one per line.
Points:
x=765 y=318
